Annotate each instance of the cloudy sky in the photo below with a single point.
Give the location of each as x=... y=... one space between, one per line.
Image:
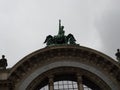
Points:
x=24 y=25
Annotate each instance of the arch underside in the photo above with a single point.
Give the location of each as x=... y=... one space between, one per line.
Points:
x=97 y=70
x=68 y=73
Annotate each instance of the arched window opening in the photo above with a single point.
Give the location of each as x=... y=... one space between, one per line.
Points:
x=65 y=85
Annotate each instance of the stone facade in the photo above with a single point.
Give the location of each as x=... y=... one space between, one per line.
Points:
x=50 y=63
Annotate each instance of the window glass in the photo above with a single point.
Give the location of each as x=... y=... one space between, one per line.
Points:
x=65 y=85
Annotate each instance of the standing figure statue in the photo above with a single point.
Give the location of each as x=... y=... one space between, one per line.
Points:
x=3 y=62
x=61 y=31
x=60 y=38
x=118 y=55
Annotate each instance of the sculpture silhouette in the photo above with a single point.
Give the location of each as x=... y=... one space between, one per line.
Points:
x=61 y=38
x=118 y=55
x=3 y=62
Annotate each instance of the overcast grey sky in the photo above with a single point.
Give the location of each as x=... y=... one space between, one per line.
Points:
x=24 y=25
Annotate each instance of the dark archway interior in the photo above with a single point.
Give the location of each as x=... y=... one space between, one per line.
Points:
x=70 y=77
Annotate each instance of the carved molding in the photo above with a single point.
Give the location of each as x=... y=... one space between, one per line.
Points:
x=49 y=54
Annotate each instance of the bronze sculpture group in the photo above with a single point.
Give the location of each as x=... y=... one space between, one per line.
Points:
x=61 y=38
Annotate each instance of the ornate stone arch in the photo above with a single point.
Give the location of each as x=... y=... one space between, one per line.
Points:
x=99 y=69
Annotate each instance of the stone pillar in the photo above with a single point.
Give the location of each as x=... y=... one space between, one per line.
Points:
x=51 y=83
x=79 y=82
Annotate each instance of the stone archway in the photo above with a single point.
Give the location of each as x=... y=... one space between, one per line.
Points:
x=69 y=73
x=66 y=59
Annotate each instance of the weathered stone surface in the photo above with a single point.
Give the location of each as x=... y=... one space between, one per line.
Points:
x=28 y=73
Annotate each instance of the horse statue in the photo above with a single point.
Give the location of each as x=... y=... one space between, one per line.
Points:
x=71 y=39
x=49 y=40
